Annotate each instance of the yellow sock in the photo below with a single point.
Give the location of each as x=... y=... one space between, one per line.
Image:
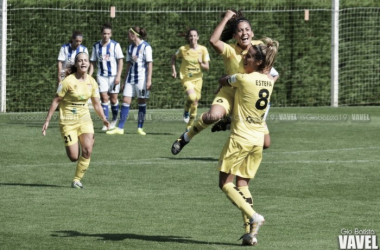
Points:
x=244 y=191
x=234 y=195
x=197 y=127
x=188 y=105
x=82 y=166
x=193 y=114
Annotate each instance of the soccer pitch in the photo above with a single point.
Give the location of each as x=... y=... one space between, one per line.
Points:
x=319 y=177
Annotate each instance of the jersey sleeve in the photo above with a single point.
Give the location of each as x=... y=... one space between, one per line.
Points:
x=118 y=52
x=61 y=55
x=235 y=80
x=63 y=88
x=148 y=54
x=227 y=50
x=205 y=55
x=95 y=88
x=273 y=72
x=179 y=54
x=93 y=54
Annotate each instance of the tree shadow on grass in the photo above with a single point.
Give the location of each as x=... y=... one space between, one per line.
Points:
x=153 y=238
x=30 y=185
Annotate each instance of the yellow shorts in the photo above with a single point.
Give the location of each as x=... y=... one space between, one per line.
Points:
x=240 y=159
x=225 y=97
x=190 y=84
x=70 y=133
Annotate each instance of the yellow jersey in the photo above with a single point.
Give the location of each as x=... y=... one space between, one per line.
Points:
x=73 y=108
x=252 y=97
x=190 y=67
x=233 y=57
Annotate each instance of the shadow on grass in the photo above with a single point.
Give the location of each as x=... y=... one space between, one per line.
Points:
x=29 y=185
x=154 y=238
x=192 y=158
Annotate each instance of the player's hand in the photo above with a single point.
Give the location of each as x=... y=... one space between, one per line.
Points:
x=44 y=128
x=229 y=14
x=106 y=123
x=174 y=75
x=148 y=85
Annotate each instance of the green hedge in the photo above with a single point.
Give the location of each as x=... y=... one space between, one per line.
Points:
x=37 y=29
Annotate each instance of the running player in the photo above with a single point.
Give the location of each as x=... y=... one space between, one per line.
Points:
x=108 y=57
x=67 y=54
x=195 y=58
x=138 y=78
x=242 y=153
x=75 y=120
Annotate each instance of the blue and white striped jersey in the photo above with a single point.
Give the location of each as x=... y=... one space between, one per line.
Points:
x=107 y=57
x=138 y=57
x=67 y=54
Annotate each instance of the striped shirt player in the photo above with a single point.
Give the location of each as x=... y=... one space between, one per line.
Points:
x=108 y=57
x=138 y=57
x=67 y=55
x=138 y=79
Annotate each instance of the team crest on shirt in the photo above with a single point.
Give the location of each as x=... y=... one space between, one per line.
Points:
x=89 y=86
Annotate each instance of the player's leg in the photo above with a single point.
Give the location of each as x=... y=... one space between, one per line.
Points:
x=197 y=88
x=103 y=89
x=191 y=99
x=124 y=110
x=221 y=106
x=87 y=143
x=248 y=169
x=114 y=90
x=143 y=95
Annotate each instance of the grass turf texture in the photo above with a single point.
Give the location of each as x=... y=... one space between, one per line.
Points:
x=319 y=176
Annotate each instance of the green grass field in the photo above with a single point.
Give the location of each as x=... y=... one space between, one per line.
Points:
x=321 y=175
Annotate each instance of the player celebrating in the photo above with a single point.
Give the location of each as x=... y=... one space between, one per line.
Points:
x=108 y=56
x=67 y=54
x=75 y=120
x=138 y=79
x=195 y=58
x=242 y=154
x=233 y=25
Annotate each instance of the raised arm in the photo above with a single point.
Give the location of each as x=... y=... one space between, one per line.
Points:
x=215 y=41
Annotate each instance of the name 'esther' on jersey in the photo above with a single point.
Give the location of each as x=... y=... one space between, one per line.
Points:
x=252 y=97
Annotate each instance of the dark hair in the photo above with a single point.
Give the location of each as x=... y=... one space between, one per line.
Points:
x=230 y=28
x=75 y=34
x=72 y=68
x=141 y=31
x=106 y=26
x=186 y=33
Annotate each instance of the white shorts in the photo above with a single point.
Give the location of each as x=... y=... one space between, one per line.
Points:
x=107 y=84
x=133 y=90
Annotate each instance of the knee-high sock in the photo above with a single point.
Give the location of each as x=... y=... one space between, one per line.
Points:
x=124 y=111
x=244 y=191
x=82 y=166
x=115 y=111
x=193 y=114
x=234 y=195
x=105 y=109
x=197 y=127
x=141 y=116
